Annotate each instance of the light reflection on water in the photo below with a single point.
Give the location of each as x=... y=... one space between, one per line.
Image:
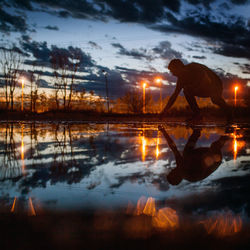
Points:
x=75 y=166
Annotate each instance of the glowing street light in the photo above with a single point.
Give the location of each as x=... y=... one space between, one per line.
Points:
x=159 y=80
x=22 y=80
x=235 y=94
x=144 y=85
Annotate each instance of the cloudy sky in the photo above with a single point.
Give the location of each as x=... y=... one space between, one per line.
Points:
x=131 y=40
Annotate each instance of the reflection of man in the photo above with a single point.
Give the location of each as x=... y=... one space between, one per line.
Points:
x=196 y=80
x=196 y=163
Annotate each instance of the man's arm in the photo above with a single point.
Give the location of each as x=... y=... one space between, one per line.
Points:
x=173 y=97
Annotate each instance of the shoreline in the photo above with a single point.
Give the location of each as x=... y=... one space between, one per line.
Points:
x=113 y=117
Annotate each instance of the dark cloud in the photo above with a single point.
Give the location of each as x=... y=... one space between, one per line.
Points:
x=199 y=57
x=162 y=15
x=205 y=3
x=135 y=77
x=42 y=53
x=240 y=2
x=11 y=22
x=244 y=67
x=134 y=53
x=229 y=80
x=94 y=45
x=117 y=84
x=49 y=27
x=164 y=51
x=233 y=51
x=232 y=34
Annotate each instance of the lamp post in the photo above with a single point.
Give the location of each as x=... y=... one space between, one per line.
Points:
x=235 y=95
x=144 y=85
x=159 y=80
x=107 y=90
x=22 y=80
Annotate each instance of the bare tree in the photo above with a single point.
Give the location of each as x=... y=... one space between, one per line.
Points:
x=133 y=102
x=10 y=62
x=34 y=78
x=65 y=67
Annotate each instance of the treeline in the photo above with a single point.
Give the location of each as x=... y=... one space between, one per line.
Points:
x=64 y=95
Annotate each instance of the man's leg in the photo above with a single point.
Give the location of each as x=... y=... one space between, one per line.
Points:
x=218 y=100
x=194 y=106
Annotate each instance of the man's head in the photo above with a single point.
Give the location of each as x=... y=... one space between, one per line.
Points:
x=176 y=66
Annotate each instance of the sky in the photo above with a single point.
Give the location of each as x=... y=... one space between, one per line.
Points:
x=131 y=40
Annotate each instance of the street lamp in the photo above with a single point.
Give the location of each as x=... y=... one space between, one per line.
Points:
x=144 y=85
x=159 y=80
x=22 y=80
x=235 y=94
x=107 y=91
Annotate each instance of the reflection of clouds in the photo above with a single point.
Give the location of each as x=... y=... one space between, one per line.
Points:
x=110 y=161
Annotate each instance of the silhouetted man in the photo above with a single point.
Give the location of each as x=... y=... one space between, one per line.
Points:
x=196 y=163
x=196 y=80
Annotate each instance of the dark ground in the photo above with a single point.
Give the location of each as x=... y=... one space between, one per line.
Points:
x=87 y=116
x=108 y=231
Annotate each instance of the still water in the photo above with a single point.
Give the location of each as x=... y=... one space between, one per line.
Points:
x=88 y=166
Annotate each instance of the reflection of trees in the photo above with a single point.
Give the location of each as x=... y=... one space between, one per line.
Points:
x=10 y=167
x=64 y=166
x=69 y=153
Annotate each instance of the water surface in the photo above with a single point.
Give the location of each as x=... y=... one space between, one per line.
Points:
x=78 y=166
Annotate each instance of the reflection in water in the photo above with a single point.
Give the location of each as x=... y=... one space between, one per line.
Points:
x=235 y=145
x=79 y=167
x=223 y=224
x=143 y=145
x=237 y=142
x=149 y=208
x=22 y=153
x=74 y=158
x=31 y=208
x=165 y=218
x=13 y=206
x=196 y=163
x=10 y=166
x=157 y=152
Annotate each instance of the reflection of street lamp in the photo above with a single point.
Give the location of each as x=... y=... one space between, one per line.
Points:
x=22 y=152
x=22 y=80
x=107 y=91
x=144 y=85
x=235 y=94
x=235 y=144
x=159 y=80
x=157 y=152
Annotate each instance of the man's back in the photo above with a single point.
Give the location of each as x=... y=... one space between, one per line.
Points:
x=199 y=80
